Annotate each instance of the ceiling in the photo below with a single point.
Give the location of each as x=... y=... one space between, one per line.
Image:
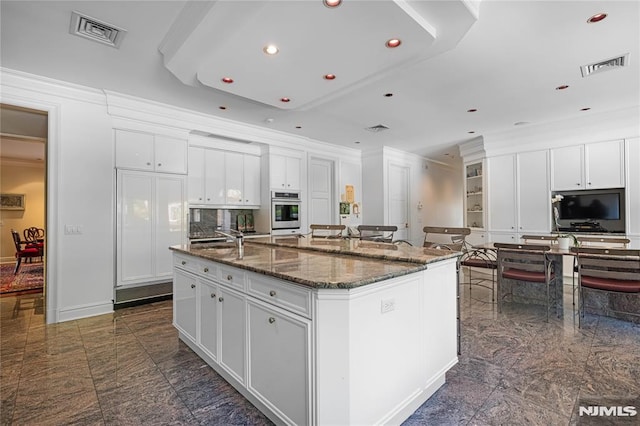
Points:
x=503 y=59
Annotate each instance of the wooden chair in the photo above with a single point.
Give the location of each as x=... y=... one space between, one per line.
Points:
x=23 y=252
x=380 y=233
x=326 y=231
x=442 y=234
x=524 y=262
x=614 y=271
x=34 y=237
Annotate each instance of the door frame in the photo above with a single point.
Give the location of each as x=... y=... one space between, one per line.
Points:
x=335 y=217
x=51 y=190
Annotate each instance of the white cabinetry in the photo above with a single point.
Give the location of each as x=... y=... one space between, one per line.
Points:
x=519 y=197
x=208 y=300
x=271 y=330
x=223 y=178
x=149 y=152
x=591 y=166
x=285 y=172
x=150 y=218
x=184 y=302
x=232 y=331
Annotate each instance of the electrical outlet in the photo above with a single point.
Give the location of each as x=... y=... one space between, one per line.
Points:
x=387 y=305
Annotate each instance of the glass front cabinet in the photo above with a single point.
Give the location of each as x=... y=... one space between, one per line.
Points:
x=474 y=200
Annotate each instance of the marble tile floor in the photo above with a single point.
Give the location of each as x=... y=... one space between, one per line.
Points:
x=130 y=368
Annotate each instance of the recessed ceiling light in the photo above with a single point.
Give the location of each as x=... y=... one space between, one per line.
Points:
x=332 y=3
x=222 y=107
x=269 y=120
x=227 y=80
x=271 y=49
x=392 y=43
x=596 y=18
x=472 y=110
x=388 y=95
x=520 y=123
x=357 y=142
x=471 y=131
x=564 y=86
x=298 y=127
x=329 y=76
x=285 y=99
x=585 y=109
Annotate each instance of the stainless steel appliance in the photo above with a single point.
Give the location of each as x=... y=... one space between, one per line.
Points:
x=285 y=210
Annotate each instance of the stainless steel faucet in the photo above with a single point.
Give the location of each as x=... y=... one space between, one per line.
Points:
x=238 y=238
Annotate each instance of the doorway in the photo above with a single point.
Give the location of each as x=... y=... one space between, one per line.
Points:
x=399 y=200
x=23 y=156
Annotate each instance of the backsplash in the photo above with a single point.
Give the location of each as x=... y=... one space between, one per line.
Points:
x=204 y=222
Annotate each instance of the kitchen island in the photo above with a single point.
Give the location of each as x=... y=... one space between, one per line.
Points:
x=333 y=333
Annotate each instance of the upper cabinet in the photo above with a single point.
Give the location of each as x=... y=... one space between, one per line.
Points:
x=285 y=172
x=149 y=152
x=633 y=191
x=223 y=178
x=591 y=166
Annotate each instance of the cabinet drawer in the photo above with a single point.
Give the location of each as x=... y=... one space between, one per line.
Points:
x=233 y=277
x=286 y=296
x=187 y=263
x=208 y=269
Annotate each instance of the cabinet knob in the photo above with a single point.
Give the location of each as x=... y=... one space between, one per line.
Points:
x=246 y=201
x=229 y=277
x=208 y=199
x=159 y=164
x=578 y=184
x=272 y=320
x=148 y=164
x=512 y=227
x=200 y=198
x=272 y=293
x=184 y=262
x=221 y=299
x=213 y=295
x=589 y=183
x=206 y=269
x=193 y=286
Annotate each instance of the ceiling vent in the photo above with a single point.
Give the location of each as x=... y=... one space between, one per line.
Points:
x=377 y=128
x=609 y=64
x=87 y=27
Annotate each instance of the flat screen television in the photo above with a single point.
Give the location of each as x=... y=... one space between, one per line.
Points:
x=599 y=210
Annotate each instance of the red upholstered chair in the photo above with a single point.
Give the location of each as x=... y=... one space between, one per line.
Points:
x=524 y=262
x=34 y=237
x=23 y=252
x=609 y=270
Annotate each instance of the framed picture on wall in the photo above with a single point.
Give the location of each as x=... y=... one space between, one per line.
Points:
x=11 y=201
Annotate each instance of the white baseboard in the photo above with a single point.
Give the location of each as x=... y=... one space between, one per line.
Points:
x=84 y=311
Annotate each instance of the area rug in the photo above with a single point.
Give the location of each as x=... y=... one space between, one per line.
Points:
x=30 y=277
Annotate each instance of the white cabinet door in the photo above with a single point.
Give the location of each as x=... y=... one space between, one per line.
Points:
x=170 y=155
x=503 y=237
x=476 y=238
x=208 y=333
x=169 y=221
x=285 y=172
x=534 y=198
x=214 y=172
x=234 y=172
x=567 y=168
x=231 y=350
x=278 y=172
x=293 y=173
x=279 y=361
x=196 y=178
x=135 y=226
x=633 y=188
x=502 y=193
x=251 y=180
x=134 y=150
x=184 y=303
x=604 y=165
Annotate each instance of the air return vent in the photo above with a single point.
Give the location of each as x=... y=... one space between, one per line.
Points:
x=377 y=128
x=93 y=29
x=609 y=64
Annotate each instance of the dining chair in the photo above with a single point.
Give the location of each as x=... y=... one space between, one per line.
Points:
x=23 y=252
x=326 y=231
x=524 y=262
x=540 y=238
x=34 y=237
x=612 y=271
x=380 y=233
